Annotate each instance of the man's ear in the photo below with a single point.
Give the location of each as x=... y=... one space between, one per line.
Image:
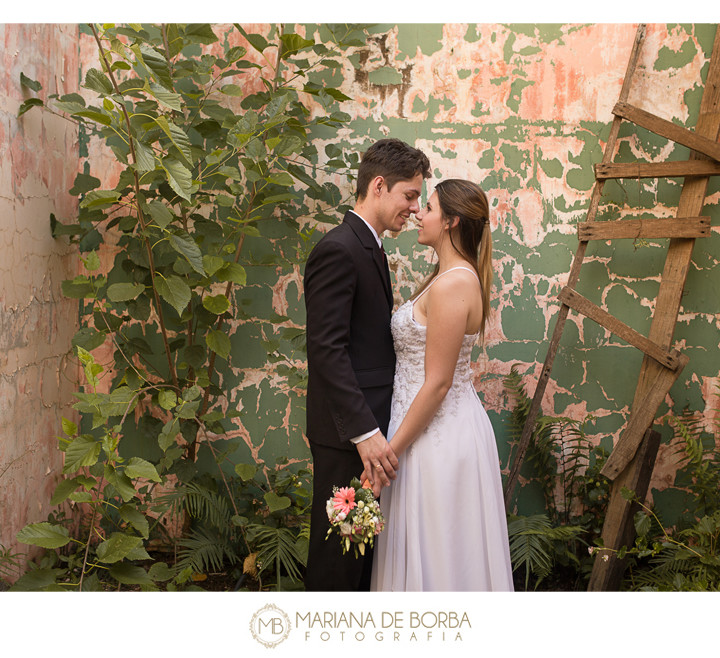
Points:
x=377 y=184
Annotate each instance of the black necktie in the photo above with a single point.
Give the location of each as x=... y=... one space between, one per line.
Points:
x=386 y=269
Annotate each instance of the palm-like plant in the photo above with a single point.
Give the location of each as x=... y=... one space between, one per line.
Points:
x=535 y=543
x=566 y=465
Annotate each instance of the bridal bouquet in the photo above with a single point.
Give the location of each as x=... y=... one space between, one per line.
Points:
x=354 y=513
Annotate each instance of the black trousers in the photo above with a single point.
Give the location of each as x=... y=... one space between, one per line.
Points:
x=327 y=568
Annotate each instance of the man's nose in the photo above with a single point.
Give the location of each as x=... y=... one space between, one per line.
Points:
x=415 y=207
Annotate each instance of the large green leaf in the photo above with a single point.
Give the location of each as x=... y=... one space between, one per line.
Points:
x=216 y=304
x=277 y=105
x=195 y=355
x=144 y=157
x=117 y=547
x=44 y=534
x=118 y=402
x=83 y=450
x=170 y=430
x=29 y=82
x=84 y=183
x=28 y=104
x=100 y=199
x=135 y=518
x=255 y=40
x=160 y=571
x=160 y=213
x=174 y=291
x=69 y=427
x=218 y=342
x=294 y=42
x=212 y=264
x=280 y=178
x=188 y=410
x=179 y=177
x=185 y=245
x=63 y=490
x=88 y=338
x=124 y=292
x=275 y=502
x=200 y=33
x=36 y=580
x=167 y=399
x=98 y=81
x=78 y=288
x=122 y=483
x=155 y=62
x=232 y=272
x=232 y=90
x=177 y=136
x=99 y=117
x=130 y=574
x=245 y=471
x=288 y=145
x=168 y=98
x=141 y=468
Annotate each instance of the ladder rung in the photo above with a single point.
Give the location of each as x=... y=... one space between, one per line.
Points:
x=675 y=169
x=668 y=130
x=584 y=306
x=673 y=227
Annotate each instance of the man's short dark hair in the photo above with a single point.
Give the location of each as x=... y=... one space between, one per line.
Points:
x=392 y=159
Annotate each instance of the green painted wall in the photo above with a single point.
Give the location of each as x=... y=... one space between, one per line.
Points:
x=524 y=110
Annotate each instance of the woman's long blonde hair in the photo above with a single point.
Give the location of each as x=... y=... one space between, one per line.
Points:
x=473 y=240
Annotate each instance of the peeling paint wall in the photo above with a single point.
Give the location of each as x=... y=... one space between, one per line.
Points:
x=38 y=163
x=524 y=110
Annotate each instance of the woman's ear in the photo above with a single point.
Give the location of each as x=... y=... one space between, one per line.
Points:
x=453 y=222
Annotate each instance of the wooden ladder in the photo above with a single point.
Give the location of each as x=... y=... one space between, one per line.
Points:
x=631 y=462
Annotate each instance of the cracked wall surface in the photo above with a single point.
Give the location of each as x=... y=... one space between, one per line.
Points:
x=524 y=110
x=38 y=163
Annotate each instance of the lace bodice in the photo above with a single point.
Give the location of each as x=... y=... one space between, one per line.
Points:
x=409 y=339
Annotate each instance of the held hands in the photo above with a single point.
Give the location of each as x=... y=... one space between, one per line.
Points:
x=379 y=461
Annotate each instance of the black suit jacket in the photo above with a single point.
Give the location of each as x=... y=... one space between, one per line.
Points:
x=351 y=360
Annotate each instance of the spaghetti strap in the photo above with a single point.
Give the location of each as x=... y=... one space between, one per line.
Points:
x=457 y=267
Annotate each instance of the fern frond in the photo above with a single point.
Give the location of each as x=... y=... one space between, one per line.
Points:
x=529 y=548
x=205 y=550
x=207 y=505
x=201 y=502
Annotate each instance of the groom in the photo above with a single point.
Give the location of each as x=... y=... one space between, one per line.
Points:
x=351 y=361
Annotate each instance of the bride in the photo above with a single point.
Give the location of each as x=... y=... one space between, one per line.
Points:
x=446 y=527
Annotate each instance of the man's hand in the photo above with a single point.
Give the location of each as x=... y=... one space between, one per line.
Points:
x=379 y=461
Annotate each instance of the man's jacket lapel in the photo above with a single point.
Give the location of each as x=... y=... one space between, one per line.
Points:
x=368 y=241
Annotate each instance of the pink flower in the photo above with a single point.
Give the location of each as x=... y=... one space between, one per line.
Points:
x=344 y=500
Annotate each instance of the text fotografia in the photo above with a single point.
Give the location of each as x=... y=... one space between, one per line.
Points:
x=396 y=626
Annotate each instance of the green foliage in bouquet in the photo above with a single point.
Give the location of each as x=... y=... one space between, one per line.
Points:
x=354 y=514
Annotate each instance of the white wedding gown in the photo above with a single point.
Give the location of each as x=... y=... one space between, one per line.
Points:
x=446 y=528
